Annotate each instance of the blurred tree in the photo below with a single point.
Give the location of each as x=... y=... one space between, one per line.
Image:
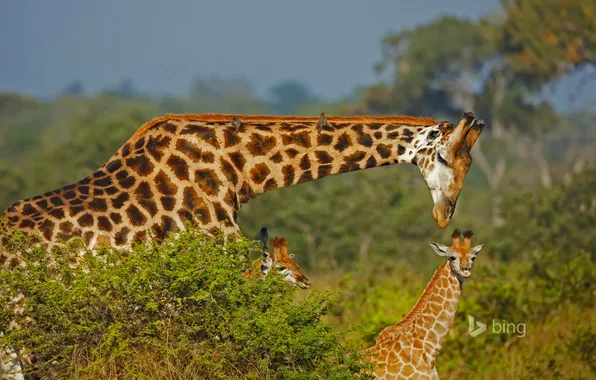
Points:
x=126 y=89
x=547 y=38
x=289 y=95
x=218 y=88
x=74 y=88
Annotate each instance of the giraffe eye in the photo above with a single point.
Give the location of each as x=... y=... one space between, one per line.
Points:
x=433 y=135
x=281 y=267
x=441 y=159
x=451 y=258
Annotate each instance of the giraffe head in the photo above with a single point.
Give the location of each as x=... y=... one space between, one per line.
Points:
x=460 y=254
x=283 y=262
x=443 y=156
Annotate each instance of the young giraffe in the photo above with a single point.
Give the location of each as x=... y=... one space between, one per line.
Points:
x=282 y=261
x=205 y=167
x=408 y=349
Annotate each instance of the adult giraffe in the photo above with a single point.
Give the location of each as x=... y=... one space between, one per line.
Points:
x=205 y=167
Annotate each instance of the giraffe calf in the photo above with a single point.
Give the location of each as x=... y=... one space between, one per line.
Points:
x=408 y=349
x=282 y=261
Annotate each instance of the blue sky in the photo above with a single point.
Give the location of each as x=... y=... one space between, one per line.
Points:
x=162 y=45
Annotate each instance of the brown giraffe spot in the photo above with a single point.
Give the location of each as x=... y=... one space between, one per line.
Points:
x=277 y=158
x=72 y=211
x=136 y=217
x=208 y=181
x=168 y=127
x=47 y=228
x=245 y=193
x=288 y=173
x=393 y=135
x=179 y=167
x=343 y=142
x=161 y=229
x=305 y=177
x=271 y=184
x=375 y=126
x=220 y=212
x=304 y=162
x=103 y=223
x=116 y=218
x=371 y=162
x=189 y=150
x=57 y=213
x=83 y=190
x=143 y=191
x=300 y=139
x=85 y=220
x=140 y=143
x=87 y=236
x=120 y=200
x=156 y=145
x=149 y=205
x=264 y=127
x=140 y=236
x=121 y=236
x=98 y=174
x=323 y=157
x=293 y=127
x=291 y=152
x=98 y=204
x=365 y=140
x=168 y=203
x=164 y=185
x=126 y=181
x=42 y=204
x=13 y=219
x=206 y=134
x=111 y=190
x=352 y=162
x=230 y=138
x=378 y=135
x=208 y=157
x=323 y=171
x=238 y=160
x=76 y=202
x=97 y=191
x=259 y=173
x=401 y=150
x=324 y=139
x=125 y=150
x=415 y=161
x=229 y=171
x=140 y=164
x=384 y=150
x=56 y=201
x=260 y=145
x=390 y=128
x=28 y=209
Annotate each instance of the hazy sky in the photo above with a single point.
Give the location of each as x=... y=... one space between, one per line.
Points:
x=163 y=45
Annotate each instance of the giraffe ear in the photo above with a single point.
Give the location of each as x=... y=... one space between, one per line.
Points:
x=440 y=249
x=477 y=249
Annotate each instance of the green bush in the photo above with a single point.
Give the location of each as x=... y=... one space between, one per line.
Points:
x=175 y=310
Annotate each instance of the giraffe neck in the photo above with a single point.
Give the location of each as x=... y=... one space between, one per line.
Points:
x=268 y=154
x=435 y=310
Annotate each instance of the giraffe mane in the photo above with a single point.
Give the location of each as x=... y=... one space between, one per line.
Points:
x=397 y=119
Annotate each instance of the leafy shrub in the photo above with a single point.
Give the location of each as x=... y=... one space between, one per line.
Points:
x=175 y=310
